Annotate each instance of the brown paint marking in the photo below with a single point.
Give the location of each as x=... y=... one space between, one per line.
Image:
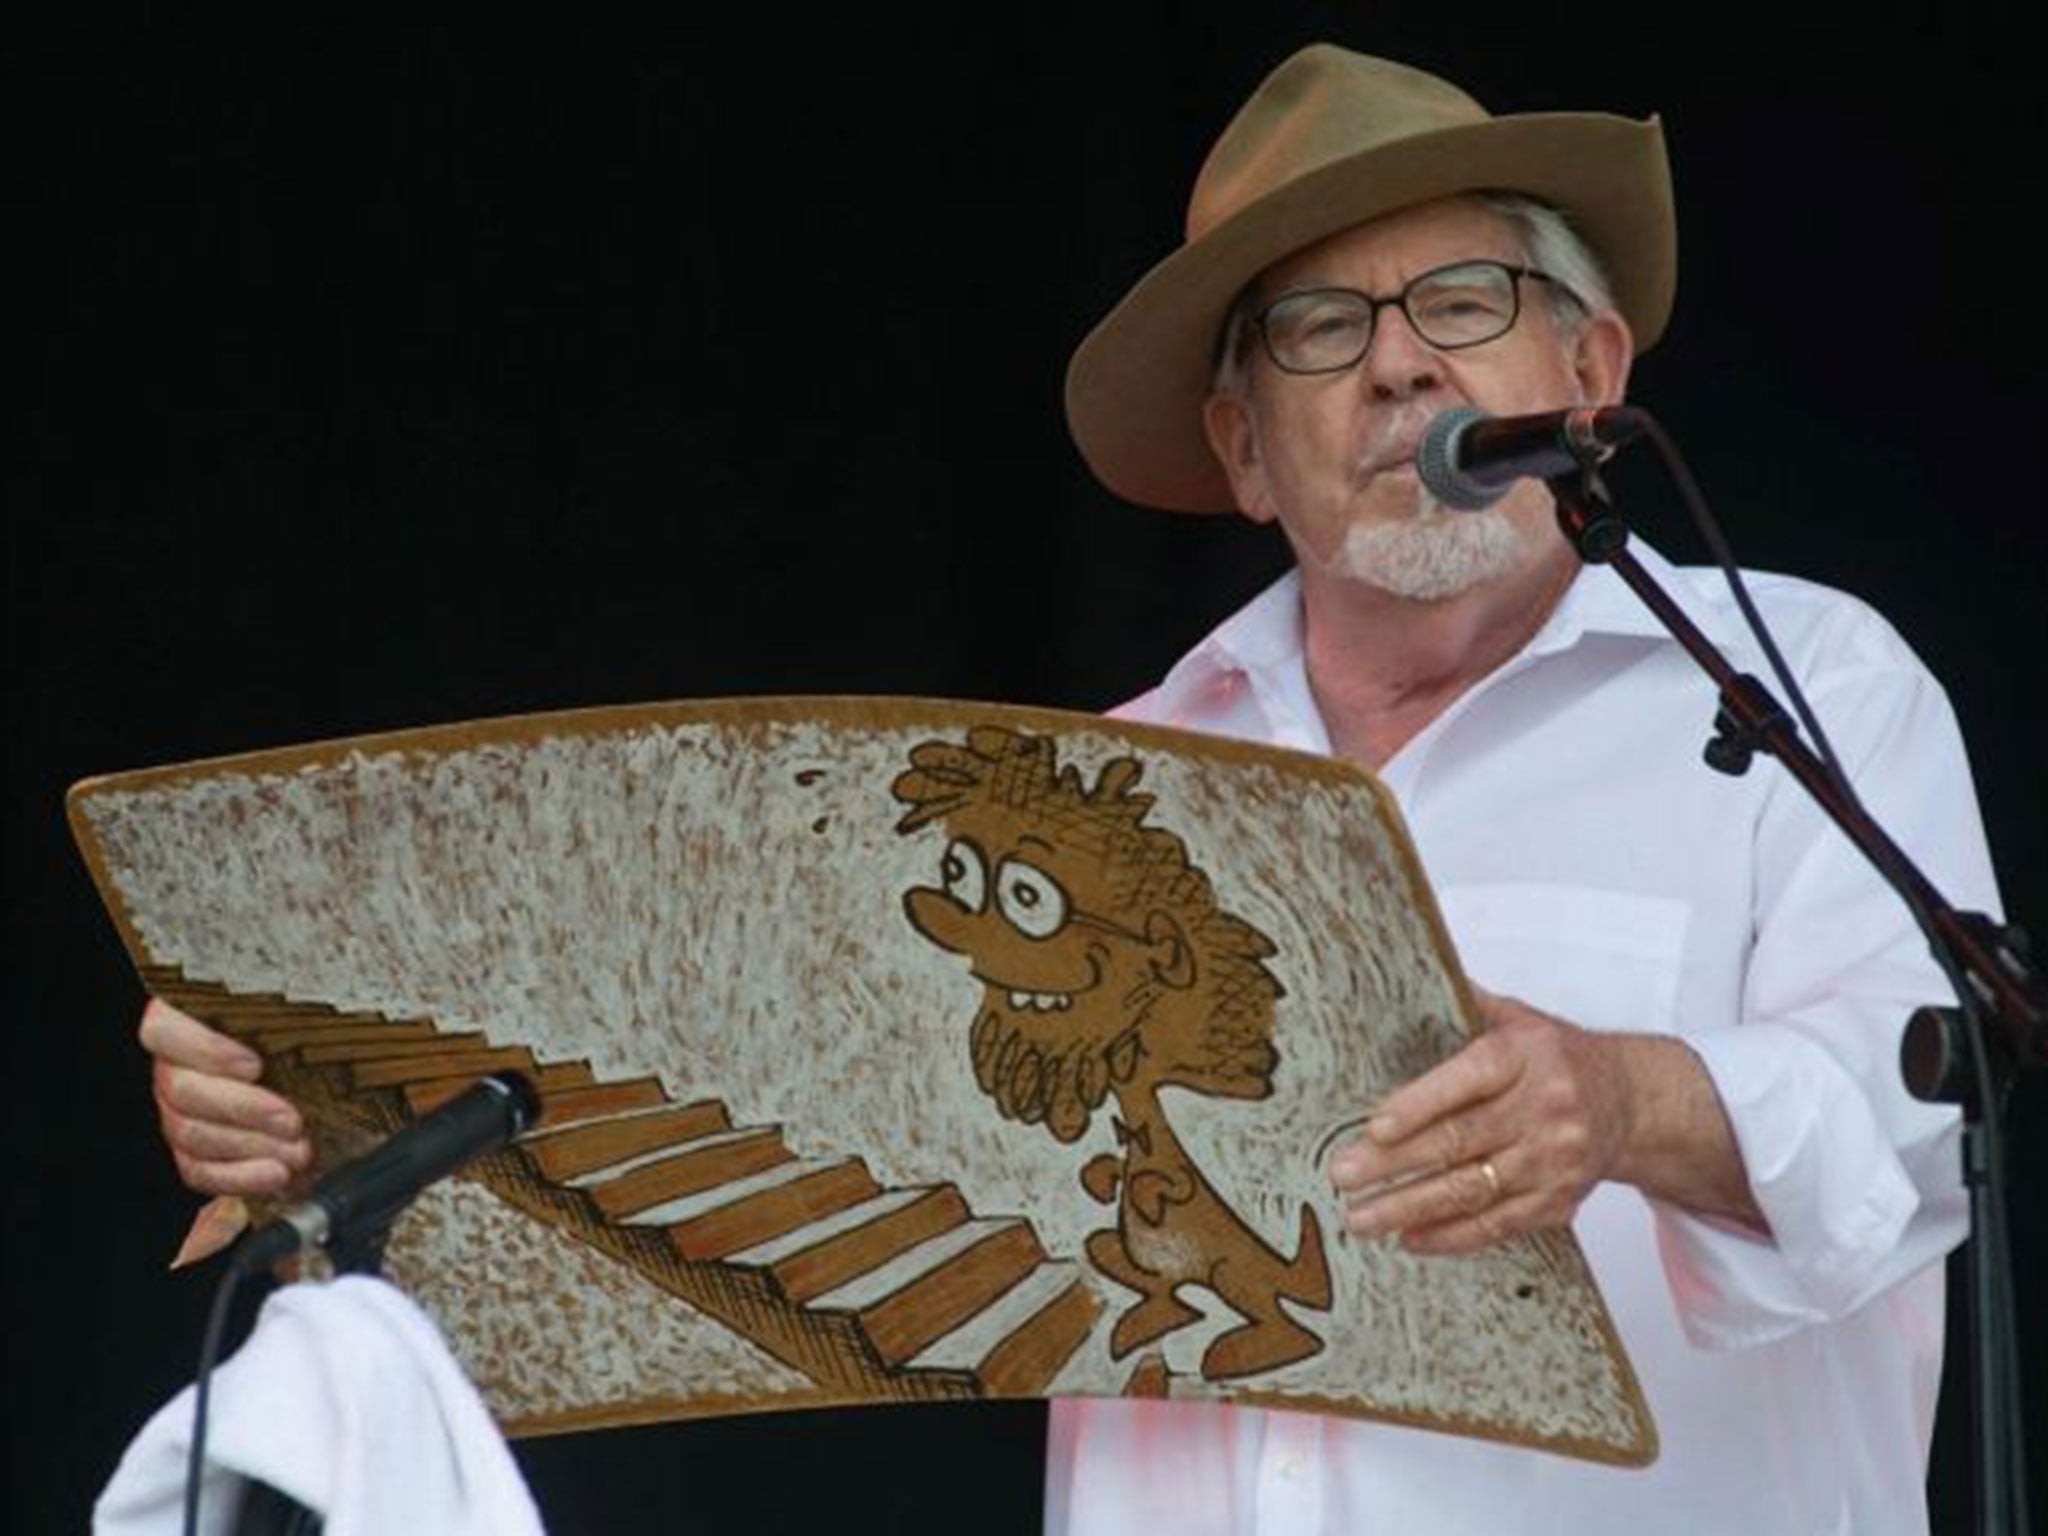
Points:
x=580 y=1149
x=421 y=1097
x=835 y=1260
x=772 y=1212
x=933 y=1305
x=1149 y=1378
x=469 y=1064
x=386 y=1048
x=300 y=1032
x=1024 y=1364
x=570 y=1102
x=688 y=1172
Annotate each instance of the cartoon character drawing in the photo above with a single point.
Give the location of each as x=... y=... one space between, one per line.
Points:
x=1108 y=969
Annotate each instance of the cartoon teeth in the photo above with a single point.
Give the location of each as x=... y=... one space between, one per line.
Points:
x=1044 y=1002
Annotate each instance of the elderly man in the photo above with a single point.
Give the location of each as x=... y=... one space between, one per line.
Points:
x=1702 y=1079
x=1721 y=1120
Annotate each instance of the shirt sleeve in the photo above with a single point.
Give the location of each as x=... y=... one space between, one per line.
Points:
x=1859 y=1181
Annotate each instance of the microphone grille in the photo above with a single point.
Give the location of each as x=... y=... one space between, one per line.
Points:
x=1436 y=462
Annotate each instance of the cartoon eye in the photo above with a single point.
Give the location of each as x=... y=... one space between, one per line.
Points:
x=964 y=874
x=1031 y=899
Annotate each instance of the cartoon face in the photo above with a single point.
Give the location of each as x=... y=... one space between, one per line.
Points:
x=1102 y=957
x=1067 y=988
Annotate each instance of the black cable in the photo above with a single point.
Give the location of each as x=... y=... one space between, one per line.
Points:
x=1717 y=545
x=209 y=1352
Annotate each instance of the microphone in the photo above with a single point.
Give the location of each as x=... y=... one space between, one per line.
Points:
x=1467 y=459
x=360 y=1198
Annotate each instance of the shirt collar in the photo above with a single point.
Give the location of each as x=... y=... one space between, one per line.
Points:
x=1262 y=642
x=1252 y=660
x=1599 y=602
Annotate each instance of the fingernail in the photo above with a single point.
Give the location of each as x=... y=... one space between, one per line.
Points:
x=282 y=1123
x=1382 y=1129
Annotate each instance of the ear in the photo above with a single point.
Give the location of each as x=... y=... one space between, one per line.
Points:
x=1172 y=957
x=1227 y=419
x=1600 y=358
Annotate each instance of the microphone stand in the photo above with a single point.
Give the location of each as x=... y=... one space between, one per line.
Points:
x=1966 y=1055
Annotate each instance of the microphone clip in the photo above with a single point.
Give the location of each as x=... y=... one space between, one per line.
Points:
x=1586 y=513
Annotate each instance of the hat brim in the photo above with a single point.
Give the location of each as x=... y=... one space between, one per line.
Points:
x=1136 y=385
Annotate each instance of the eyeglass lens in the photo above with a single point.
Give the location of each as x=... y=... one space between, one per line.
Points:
x=1324 y=329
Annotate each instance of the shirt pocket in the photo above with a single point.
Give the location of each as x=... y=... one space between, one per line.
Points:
x=1604 y=959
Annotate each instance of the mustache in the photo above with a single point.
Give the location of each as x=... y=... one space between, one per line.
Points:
x=1393 y=438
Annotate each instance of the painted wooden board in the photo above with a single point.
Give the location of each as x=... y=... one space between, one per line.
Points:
x=888 y=1049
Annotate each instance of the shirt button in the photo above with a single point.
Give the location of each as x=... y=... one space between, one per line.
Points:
x=1289 y=1468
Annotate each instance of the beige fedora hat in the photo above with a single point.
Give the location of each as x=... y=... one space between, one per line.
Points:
x=1331 y=139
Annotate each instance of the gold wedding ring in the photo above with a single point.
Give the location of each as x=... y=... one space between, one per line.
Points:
x=1492 y=1176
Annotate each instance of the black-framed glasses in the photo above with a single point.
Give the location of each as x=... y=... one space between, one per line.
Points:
x=1326 y=330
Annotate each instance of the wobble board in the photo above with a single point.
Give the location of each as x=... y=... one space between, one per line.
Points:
x=889 y=1050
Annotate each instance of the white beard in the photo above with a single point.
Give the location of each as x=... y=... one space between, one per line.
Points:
x=1434 y=555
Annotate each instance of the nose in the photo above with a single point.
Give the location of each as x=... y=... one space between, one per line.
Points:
x=939 y=918
x=1400 y=364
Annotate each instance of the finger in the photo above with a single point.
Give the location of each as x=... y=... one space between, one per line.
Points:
x=1489 y=1228
x=1482 y=1070
x=218 y=1160
x=1363 y=1163
x=224 y=1101
x=210 y=1142
x=1455 y=1194
x=183 y=1041
x=249 y=1176
x=1452 y=1138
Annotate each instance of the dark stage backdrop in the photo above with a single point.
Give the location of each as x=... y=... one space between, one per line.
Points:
x=388 y=374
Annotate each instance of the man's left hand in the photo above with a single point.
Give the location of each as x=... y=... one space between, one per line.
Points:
x=1507 y=1136
x=1514 y=1131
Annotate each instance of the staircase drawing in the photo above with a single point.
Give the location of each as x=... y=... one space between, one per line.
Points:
x=877 y=1293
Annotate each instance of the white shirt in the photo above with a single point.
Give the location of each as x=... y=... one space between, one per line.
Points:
x=1588 y=862
x=346 y=1398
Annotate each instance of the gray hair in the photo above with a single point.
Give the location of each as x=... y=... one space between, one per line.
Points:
x=1544 y=239
x=1579 y=288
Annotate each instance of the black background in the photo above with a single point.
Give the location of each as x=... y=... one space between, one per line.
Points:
x=389 y=373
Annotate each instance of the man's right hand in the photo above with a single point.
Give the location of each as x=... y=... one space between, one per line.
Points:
x=227 y=1135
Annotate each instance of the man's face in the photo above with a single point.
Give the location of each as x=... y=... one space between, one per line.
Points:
x=1331 y=456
